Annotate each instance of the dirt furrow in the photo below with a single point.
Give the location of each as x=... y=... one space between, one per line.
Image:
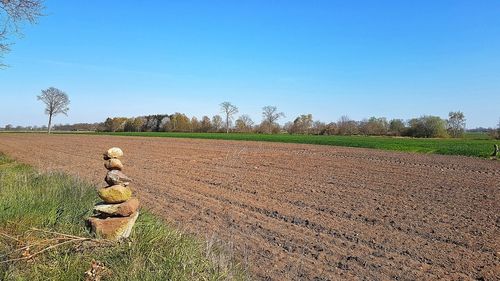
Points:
x=305 y=212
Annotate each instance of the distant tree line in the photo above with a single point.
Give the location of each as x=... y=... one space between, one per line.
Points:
x=425 y=126
x=422 y=127
x=180 y=122
x=92 y=127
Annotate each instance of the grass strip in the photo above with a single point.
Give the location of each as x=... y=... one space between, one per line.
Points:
x=476 y=145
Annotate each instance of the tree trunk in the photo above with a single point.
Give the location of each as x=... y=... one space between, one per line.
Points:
x=227 y=124
x=50 y=122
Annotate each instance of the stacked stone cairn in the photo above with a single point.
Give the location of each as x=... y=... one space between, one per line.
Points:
x=114 y=218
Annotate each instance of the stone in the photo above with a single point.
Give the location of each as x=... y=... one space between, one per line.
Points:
x=113 y=152
x=115 y=194
x=115 y=177
x=124 y=209
x=113 y=164
x=113 y=228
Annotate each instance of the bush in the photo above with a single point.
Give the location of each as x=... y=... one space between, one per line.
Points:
x=427 y=127
x=397 y=127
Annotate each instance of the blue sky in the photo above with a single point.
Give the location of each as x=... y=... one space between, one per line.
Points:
x=398 y=59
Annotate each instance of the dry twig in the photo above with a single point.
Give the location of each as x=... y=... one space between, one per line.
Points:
x=46 y=249
x=66 y=239
x=8 y=236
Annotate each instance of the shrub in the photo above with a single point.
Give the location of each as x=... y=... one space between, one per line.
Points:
x=427 y=127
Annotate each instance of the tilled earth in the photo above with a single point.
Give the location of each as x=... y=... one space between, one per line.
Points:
x=305 y=212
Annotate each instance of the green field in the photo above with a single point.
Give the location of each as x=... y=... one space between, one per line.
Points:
x=39 y=210
x=474 y=144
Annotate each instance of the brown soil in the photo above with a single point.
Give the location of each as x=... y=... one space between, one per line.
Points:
x=306 y=212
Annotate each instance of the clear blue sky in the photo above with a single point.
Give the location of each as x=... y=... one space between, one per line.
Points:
x=330 y=58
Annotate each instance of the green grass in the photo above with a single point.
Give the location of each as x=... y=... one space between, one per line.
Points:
x=477 y=136
x=476 y=144
x=60 y=203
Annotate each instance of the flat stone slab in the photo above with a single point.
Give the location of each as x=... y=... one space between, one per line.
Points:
x=124 y=209
x=113 y=228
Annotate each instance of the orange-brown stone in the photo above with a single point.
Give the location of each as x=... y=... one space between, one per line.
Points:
x=113 y=228
x=113 y=164
x=124 y=209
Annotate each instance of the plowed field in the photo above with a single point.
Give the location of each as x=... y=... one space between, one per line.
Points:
x=305 y=212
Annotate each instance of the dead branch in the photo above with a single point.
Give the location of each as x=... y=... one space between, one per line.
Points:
x=8 y=236
x=46 y=249
x=67 y=239
x=56 y=233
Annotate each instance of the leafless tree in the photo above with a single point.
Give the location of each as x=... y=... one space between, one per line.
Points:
x=115 y=124
x=374 y=126
x=495 y=133
x=206 y=124
x=244 y=123
x=56 y=101
x=195 y=124
x=133 y=124
x=346 y=126
x=271 y=115
x=13 y=13
x=301 y=124
x=319 y=128
x=229 y=110
x=498 y=129
x=456 y=124
x=216 y=123
x=159 y=120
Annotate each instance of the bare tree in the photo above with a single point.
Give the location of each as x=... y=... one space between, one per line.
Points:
x=115 y=124
x=374 y=126
x=456 y=124
x=133 y=124
x=195 y=124
x=495 y=133
x=271 y=115
x=56 y=101
x=498 y=129
x=346 y=126
x=13 y=13
x=159 y=120
x=229 y=110
x=206 y=124
x=216 y=123
x=244 y=123
x=301 y=124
